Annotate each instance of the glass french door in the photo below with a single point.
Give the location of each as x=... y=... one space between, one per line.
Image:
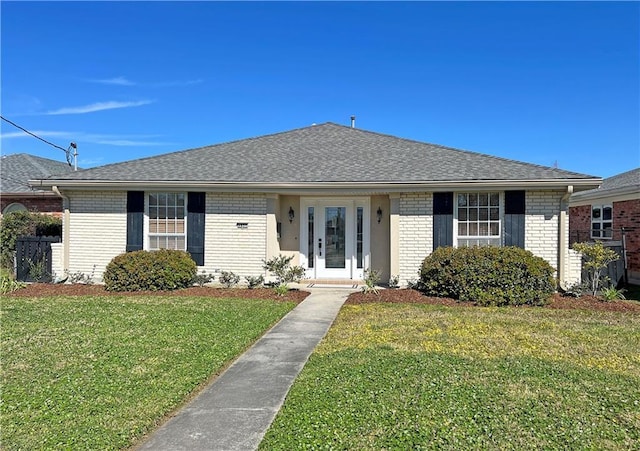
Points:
x=335 y=238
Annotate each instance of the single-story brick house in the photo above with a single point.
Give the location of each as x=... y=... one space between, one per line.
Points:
x=15 y=193
x=604 y=213
x=339 y=199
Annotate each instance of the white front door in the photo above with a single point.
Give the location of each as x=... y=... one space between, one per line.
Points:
x=335 y=237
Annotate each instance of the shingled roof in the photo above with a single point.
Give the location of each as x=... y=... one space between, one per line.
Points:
x=626 y=182
x=326 y=153
x=17 y=169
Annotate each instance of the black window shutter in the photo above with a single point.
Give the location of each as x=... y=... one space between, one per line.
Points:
x=442 y=219
x=195 y=226
x=135 y=220
x=514 y=217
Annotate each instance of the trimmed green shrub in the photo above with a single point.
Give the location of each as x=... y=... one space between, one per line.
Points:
x=488 y=275
x=164 y=269
x=24 y=223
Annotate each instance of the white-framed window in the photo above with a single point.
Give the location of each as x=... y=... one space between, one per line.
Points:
x=167 y=221
x=478 y=218
x=601 y=221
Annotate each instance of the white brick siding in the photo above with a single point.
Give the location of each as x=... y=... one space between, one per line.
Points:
x=97 y=229
x=229 y=248
x=541 y=224
x=415 y=224
x=98 y=232
x=57 y=268
x=541 y=230
x=574 y=264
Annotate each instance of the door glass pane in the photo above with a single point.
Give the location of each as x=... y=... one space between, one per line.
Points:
x=359 y=226
x=335 y=237
x=310 y=254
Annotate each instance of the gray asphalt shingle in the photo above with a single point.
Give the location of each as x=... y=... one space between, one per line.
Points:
x=17 y=169
x=322 y=153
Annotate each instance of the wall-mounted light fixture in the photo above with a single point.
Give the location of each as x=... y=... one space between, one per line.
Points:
x=292 y=214
x=379 y=213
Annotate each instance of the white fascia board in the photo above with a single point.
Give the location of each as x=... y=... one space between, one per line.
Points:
x=320 y=187
x=605 y=197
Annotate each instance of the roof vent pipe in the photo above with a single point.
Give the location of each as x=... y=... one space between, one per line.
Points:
x=353 y=122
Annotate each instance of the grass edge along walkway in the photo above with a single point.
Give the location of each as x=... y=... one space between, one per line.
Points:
x=394 y=376
x=100 y=372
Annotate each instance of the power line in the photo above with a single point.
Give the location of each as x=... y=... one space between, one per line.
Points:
x=33 y=134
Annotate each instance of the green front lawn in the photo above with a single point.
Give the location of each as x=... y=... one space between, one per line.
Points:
x=401 y=376
x=99 y=372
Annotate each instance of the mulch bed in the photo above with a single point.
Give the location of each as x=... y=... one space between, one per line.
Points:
x=49 y=289
x=403 y=296
x=557 y=302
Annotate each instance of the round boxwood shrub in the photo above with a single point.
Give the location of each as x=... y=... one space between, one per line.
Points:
x=143 y=270
x=488 y=275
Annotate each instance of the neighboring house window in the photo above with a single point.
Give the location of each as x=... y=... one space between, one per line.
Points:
x=16 y=206
x=478 y=219
x=601 y=221
x=167 y=218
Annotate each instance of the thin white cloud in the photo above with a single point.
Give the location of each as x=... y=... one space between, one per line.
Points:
x=98 y=106
x=176 y=83
x=93 y=138
x=129 y=142
x=120 y=81
x=41 y=133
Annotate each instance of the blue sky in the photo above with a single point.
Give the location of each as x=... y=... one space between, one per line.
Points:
x=536 y=82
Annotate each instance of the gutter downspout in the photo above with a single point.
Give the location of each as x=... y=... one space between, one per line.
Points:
x=563 y=231
x=65 y=229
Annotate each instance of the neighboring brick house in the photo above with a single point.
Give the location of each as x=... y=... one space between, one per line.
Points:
x=15 y=193
x=338 y=199
x=604 y=213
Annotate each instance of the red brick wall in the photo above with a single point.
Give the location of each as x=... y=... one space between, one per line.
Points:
x=579 y=224
x=626 y=214
x=42 y=204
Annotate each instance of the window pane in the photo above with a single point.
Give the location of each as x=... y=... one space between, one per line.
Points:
x=483 y=214
x=462 y=214
x=310 y=254
x=180 y=226
x=473 y=229
x=606 y=213
x=153 y=199
x=473 y=214
x=494 y=214
x=473 y=200
x=596 y=226
x=484 y=229
x=494 y=199
x=462 y=229
x=483 y=199
x=359 y=228
x=180 y=199
x=495 y=229
x=162 y=198
x=462 y=200
x=595 y=213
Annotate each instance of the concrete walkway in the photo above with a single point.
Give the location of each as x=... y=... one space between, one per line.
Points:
x=235 y=411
